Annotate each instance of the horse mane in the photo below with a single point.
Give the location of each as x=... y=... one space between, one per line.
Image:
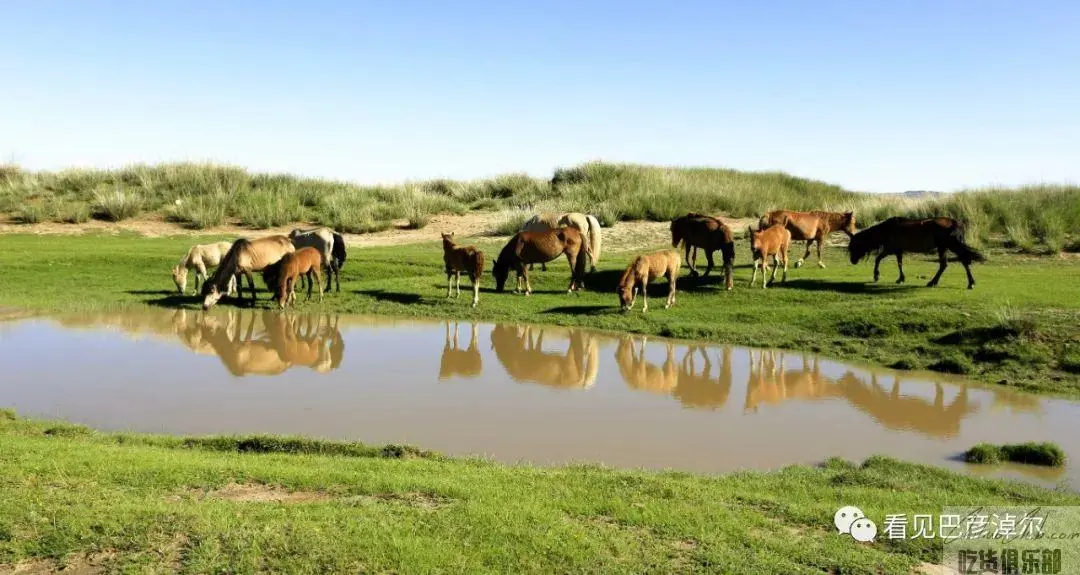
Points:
x=227 y=268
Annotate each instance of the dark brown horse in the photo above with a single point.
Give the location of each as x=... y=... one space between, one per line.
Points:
x=708 y=233
x=541 y=247
x=897 y=235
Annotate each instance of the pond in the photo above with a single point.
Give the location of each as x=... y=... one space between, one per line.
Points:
x=515 y=393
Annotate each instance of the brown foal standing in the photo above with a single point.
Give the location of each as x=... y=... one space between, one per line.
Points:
x=771 y=242
x=459 y=259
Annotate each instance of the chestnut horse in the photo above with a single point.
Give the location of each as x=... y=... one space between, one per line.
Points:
x=709 y=234
x=459 y=259
x=897 y=235
x=306 y=261
x=244 y=257
x=542 y=247
x=772 y=242
x=588 y=225
x=644 y=268
x=813 y=227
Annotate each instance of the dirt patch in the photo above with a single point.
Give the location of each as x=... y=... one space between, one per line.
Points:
x=623 y=236
x=80 y=564
x=258 y=493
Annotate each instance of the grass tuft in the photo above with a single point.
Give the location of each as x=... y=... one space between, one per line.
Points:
x=1046 y=454
x=116 y=205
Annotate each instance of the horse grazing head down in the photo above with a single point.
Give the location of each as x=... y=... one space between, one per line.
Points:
x=211 y=294
x=179 y=276
x=500 y=271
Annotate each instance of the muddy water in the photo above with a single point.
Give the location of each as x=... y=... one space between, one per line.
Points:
x=514 y=393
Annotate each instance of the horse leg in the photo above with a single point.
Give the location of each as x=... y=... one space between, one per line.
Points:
x=783 y=279
x=757 y=263
x=645 y=293
x=765 y=271
x=318 y=280
x=799 y=263
x=457 y=282
x=877 y=264
x=776 y=266
x=251 y=286
x=820 y=242
x=475 y=291
x=690 y=260
x=900 y=266
x=449 y=282
x=671 y=290
x=941 y=268
x=967 y=268
x=708 y=258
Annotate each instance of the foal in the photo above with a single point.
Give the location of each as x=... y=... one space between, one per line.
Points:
x=645 y=268
x=459 y=259
x=304 y=261
x=773 y=241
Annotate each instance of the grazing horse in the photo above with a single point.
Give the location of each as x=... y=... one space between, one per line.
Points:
x=199 y=258
x=459 y=259
x=322 y=239
x=541 y=247
x=642 y=270
x=772 y=242
x=588 y=225
x=244 y=257
x=304 y=261
x=813 y=227
x=897 y=235
x=709 y=234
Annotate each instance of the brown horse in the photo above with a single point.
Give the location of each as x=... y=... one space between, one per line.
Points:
x=772 y=242
x=459 y=259
x=244 y=257
x=709 y=234
x=306 y=261
x=541 y=247
x=897 y=235
x=812 y=227
x=645 y=268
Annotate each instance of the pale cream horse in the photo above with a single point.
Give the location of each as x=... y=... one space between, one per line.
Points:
x=588 y=225
x=200 y=258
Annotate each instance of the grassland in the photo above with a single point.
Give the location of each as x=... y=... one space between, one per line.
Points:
x=1035 y=219
x=1019 y=327
x=102 y=502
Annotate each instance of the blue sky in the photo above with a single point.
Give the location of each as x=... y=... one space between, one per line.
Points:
x=873 y=95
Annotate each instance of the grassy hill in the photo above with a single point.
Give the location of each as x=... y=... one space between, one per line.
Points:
x=1035 y=219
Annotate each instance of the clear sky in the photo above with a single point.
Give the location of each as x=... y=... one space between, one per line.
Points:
x=876 y=95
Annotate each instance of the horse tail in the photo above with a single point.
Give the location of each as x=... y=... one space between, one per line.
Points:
x=594 y=238
x=339 y=250
x=962 y=249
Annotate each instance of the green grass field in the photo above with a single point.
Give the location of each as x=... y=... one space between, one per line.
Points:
x=138 y=504
x=1018 y=327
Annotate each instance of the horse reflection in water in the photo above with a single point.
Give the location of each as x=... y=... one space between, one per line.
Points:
x=457 y=362
x=282 y=342
x=520 y=351
x=679 y=379
x=771 y=384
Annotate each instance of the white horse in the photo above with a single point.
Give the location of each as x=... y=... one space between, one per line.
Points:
x=322 y=239
x=588 y=225
x=199 y=258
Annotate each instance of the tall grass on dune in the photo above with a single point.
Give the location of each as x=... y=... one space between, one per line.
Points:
x=1036 y=219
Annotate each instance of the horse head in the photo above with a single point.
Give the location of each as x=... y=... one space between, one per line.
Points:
x=849 y=224
x=179 y=276
x=500 y=271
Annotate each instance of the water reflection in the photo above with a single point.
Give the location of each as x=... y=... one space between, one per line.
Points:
x=520 y=351
x=637 y=401
x=457 y=362
x=248 y=342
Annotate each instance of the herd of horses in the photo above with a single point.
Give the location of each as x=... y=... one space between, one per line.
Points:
x=305 y=255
